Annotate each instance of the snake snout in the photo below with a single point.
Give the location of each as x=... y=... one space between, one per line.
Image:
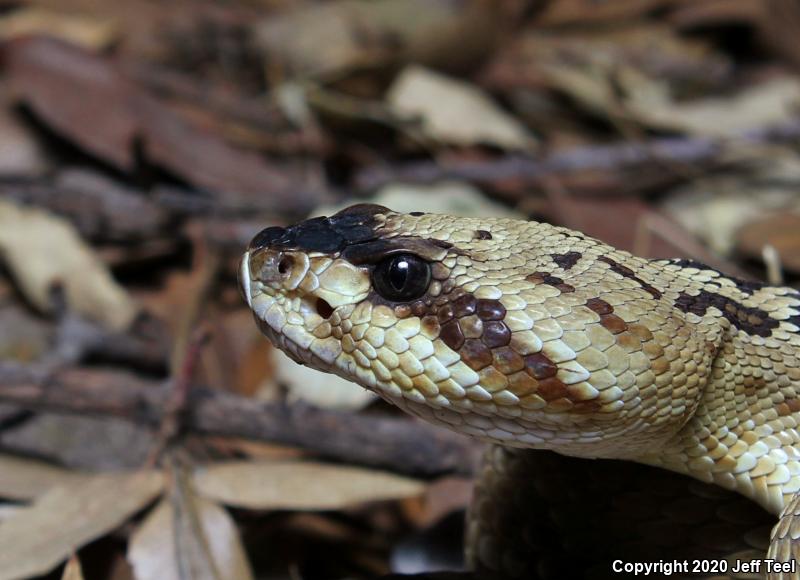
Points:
x=266 y=238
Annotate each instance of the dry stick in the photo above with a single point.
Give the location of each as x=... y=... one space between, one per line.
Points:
x=397 y=444
x=188 y=343
x=618 y=156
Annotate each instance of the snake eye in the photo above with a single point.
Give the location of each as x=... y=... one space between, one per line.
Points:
x=402 y=277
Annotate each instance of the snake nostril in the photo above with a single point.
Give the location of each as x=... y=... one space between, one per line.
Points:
x=324 y=309
x=285 y=265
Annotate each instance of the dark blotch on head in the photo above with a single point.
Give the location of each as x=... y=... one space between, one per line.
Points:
x=475 y=354
x=626 y=272
x=539 y=366
x=464 y=305
x=566 y=261
x=266 y=237
x=419 y=308
x=488 y=309
x=431 y=325
x=324 y=234
x=482 y=235
x=445 y=313
x=450 y=332
x=551 y=389
x=613 y=323
x=507 y=361
x=599 y=306
x=495 y=333
x=550 y=280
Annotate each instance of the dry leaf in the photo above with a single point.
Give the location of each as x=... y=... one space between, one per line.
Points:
x=317 y=388
x=69 y=516
x=89 y=101
x=91 y=33
x=20 y=153
x=766 y=104
x=781 y=231
x=43 y=251
x=453 y=111
x=26 y=479
x=341 y=36
x=715 y=208
x=299 y=485
x=188 y=532
x=73 y=571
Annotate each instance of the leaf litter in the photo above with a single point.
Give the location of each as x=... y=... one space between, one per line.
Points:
x=138 y=140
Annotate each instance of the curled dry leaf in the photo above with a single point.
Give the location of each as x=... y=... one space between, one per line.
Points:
x=766 y=104
x=299 y=485
x=43 y=251
x=90 y=102
x=190 y=535
x=27 y=479
x=453 y=111
x=69 y=516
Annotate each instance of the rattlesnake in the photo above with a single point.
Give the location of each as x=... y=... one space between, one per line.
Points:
x=531 y=336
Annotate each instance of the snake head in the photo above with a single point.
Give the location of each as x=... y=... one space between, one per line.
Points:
x=492 y=327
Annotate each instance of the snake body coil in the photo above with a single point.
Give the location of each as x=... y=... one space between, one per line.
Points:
x=537 y=337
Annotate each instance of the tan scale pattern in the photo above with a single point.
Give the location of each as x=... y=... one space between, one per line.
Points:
x=534 y=336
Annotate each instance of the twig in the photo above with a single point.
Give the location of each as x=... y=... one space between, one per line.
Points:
x=619 y=156
x=396 y=444
x=188 y=342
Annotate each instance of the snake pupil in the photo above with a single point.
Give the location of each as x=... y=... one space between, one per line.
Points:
x=401 y=278
x=398 y=273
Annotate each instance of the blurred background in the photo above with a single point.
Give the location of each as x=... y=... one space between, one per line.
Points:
x=147 y=430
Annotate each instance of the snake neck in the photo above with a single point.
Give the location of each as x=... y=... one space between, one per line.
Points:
x=744 y=434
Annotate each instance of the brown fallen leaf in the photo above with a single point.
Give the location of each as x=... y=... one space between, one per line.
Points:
x=26 y=479
x=334 y=37
x=782 y=232
x=717 y=207
x=630 y=224
x=69 y=516
x=43 y=251
x=187 y=536
x=73 y=570
x=87 y=100
x=299 y=485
